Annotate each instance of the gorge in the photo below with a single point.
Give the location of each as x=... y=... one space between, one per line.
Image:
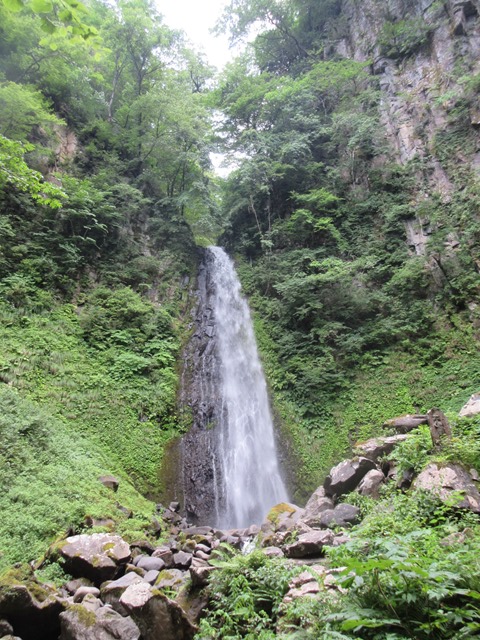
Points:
x=137 y=452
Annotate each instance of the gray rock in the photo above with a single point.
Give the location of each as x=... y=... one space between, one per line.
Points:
x=452 y=483
x=148 y=563
x=273 y=552
x=376 y=448
x=110 y=482
x=404 y=424
x=111 y=592
x=346 y=476
x=309 y=544
x=6 y=628
x=31 y=609
x=166 y=554
x=97 y=556
x=472 y=407
x=79 y=623
x=170 y=579
x=83 y=591
x=156 y=615
x=200 y=575
x=317 y=503
x=151 y=576
x=182 y=560
x=73 y=585
x=370 y=483
x=341 y=516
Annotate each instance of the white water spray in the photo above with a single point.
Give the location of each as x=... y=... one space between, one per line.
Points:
x=250 y=472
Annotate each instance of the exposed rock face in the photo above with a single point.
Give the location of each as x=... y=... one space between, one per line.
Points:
x=452 y=483
x=198 y=402
x=97 y=556
x=345 y=476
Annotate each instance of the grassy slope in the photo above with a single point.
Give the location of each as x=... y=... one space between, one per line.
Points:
x=70 y=413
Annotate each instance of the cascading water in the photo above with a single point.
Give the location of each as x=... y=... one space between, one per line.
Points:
x=252 y=482
x=231 y=473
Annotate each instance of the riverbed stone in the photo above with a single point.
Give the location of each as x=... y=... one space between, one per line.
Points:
x=83 y=591
x=170 y=579
x=97 y=556
x=345 y=477
x=342 y=515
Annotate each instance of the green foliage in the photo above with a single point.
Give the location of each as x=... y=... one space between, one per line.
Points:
x=49 y=480
x=403 y=37
x=15 y=172
x=246 y=597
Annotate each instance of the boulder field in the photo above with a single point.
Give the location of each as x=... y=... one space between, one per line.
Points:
x=142 y=590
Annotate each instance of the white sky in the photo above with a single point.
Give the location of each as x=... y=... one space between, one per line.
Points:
x=196 y=18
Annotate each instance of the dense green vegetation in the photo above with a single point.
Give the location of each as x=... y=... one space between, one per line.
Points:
x=355 y=325
x=106 y=191
x=103 y=159
x=410 y=569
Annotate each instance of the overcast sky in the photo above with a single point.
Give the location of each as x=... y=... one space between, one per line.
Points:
x=196 y=18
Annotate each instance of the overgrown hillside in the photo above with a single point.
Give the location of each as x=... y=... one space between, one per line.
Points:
x=103 y=159
x=354 y=211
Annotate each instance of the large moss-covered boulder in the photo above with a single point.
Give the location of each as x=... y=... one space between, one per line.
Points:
x=95 y=622
x=32 y=609
x=98 y=556
x=156 y=615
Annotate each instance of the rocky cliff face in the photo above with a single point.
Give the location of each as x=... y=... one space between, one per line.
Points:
x=426 y=54
x=199 y=407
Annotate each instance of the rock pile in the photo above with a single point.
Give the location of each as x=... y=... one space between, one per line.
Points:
x=145 y=591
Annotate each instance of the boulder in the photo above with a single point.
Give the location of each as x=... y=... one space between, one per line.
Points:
x=452 y=483
x=166 y=554
x=376 y=448
x=151 y=576
x=343 y=515
x=156 y=615
x=170 y=579
x=182 y=560
x=200 y=574
x=97 y=556
x=370 y=483
x=148 y=563
x=404 y=424
x=282 y=517
x=309 y=544
x=110 y=482
x=111 y=592
x=316 y=505
x=30 y=608
x=81 y=623
x=439 y=427
x=472 y=407
x=346 y=476
x=83 y=591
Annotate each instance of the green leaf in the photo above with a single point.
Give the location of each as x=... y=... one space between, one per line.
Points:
x=42 y=6
x=13 y=5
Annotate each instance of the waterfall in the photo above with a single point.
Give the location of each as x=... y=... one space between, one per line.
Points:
x=230 y=456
